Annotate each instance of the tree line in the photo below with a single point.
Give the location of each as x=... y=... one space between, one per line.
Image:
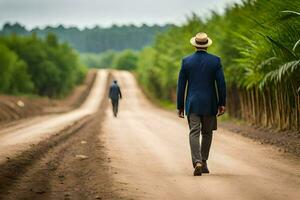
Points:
x=258 y=41
x=96 y=39
x=30 y=65
x=126 y=59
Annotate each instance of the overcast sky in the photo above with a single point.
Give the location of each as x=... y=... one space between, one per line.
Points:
x=88 y=13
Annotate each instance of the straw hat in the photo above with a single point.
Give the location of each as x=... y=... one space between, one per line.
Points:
x=201 y=40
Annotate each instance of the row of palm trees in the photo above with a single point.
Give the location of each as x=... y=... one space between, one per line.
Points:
x=259 y=43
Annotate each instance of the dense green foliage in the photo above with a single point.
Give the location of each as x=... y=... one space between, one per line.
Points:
x=91 y=60
x=101 y=60
x=36 y=66
x=258 y=42
x=126 y=59
x=107 y=58
x=12 y=69
x=96 y=39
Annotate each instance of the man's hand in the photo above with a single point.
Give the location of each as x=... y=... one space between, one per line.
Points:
x=221 y=110
x=180 y=113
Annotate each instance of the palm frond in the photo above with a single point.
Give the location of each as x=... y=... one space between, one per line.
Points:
x=269 y=78
x=282 y=47
x=296 y=44
x=258 y=22
x=288 y=68
x=289 y=14
x=277 y=75
x=280 y=73
x=267 y=62
x=246 y=39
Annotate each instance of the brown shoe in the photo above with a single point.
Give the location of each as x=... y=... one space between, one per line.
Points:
x=198 y=169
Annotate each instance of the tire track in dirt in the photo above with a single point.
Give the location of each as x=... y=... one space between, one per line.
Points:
x=14 y=168
x=51 y=170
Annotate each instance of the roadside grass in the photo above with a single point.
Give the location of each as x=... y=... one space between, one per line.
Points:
x=167 y=105
x=164 y=104
x=226 y=118
x=24 y=95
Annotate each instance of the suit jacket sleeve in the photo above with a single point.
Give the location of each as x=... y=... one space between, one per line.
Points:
x=110 y=90
x=120 y=94
x=182 y=81
x=221 y=85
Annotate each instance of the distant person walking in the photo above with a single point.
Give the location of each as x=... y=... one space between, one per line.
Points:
x=115 y=94
x=203 y=75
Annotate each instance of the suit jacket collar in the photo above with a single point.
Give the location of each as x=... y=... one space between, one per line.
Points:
x=201 y=52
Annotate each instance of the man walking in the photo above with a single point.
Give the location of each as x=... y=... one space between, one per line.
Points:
x=115 y=94
x=203 y=75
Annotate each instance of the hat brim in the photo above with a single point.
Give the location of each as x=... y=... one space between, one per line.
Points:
x=193 y=42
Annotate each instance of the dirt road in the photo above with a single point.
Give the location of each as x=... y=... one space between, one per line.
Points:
x=142 y=154
x=17 y=138
x=151 y=159
x=58 y=156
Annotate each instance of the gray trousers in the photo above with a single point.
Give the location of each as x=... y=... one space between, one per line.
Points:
x=204 y=125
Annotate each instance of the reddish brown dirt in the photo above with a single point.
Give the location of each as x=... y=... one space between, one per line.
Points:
x=10 y=110
x=150 y=154
x=144 y=154
x=284 y=141
x=51 y=170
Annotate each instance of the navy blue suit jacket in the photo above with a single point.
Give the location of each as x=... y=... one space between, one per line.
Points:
x=203 y=75
x=115 y=92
